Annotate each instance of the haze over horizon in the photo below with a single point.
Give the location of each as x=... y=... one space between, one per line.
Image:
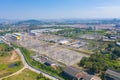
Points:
x=58 y=9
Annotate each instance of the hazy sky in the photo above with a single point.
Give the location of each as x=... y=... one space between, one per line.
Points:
x=51 y=9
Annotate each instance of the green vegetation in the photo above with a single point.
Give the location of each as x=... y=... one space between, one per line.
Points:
x=106 y=58
x=14 y=44
x=8 y=65
x=47 y=69
x=5 y=50
x=95 y=46
x=76 y=32
x=27 y=75
x=5 y=47
x=12 y=69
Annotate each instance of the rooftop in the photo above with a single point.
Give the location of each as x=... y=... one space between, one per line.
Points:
x=72 y=71
x=87 y=77
x=113 y=73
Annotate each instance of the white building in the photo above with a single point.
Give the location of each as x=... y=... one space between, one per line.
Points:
x=63 y=42
x=118 y=43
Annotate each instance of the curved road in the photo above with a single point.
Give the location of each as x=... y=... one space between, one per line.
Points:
x=26 y=65
x=31 y=68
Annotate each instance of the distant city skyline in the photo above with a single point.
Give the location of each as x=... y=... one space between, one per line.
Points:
x=59 y=9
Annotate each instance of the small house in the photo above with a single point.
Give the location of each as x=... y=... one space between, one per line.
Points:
x=50 y=63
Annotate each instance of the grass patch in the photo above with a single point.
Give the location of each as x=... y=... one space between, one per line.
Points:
x=46 y=69
x=6 y=61
x=27 y=75
x=5 y=70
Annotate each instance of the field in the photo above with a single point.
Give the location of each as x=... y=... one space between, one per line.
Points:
x=9 y=61
x=54 y=51
x=25 y=75
x=80 y=33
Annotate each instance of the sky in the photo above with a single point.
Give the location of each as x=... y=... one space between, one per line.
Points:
x=59 y=9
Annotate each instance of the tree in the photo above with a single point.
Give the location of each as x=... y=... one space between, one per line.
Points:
x=116 y=51
x=82 y=62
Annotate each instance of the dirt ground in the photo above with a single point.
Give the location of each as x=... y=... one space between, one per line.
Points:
x=12 y=57
x=53 y=51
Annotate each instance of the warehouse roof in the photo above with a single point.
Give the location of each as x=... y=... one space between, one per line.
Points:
x=72 y=71
x=113 y=73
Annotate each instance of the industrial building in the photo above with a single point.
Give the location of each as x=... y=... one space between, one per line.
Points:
x=118 y=43
x=112 y=75
x=63 y=42
x=76 y=74
x=44 y=30
x=16 y=36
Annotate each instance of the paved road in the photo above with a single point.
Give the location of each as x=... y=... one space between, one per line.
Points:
x=28 y=66
x=31 y=68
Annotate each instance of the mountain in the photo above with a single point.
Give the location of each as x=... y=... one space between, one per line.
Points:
x=32 y=22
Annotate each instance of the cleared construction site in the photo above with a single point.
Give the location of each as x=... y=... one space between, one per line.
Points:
x=41 y=45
